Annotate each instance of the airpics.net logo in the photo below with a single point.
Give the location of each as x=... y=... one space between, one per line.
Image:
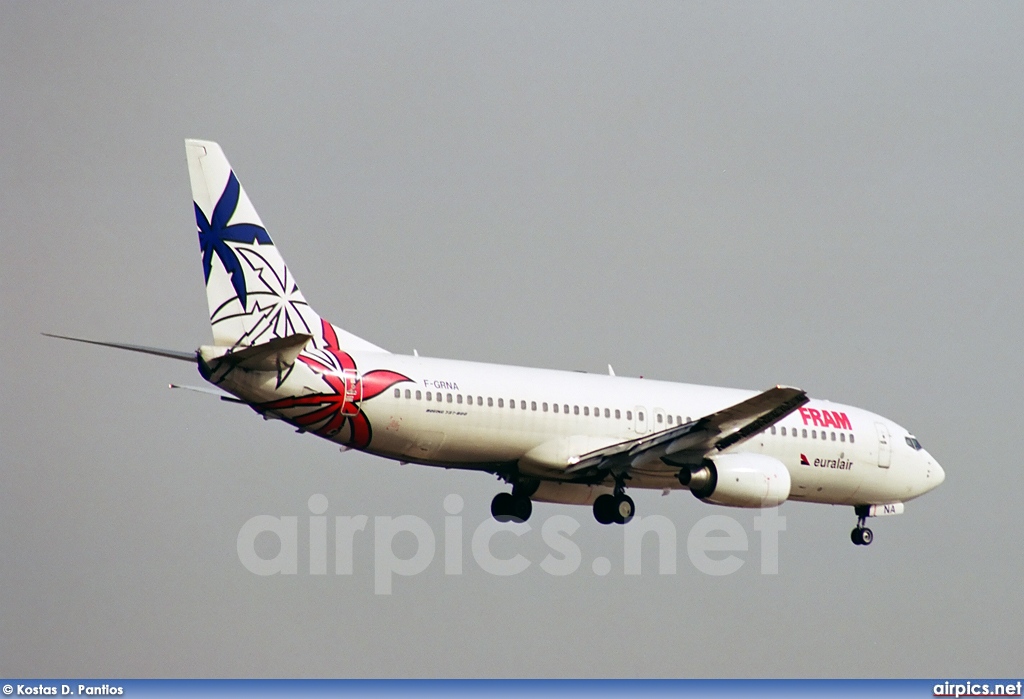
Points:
x=714 y=544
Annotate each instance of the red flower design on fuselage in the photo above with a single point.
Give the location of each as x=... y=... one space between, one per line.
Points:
x=341 y=406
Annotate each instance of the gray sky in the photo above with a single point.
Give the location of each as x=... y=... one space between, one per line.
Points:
x=821 y=195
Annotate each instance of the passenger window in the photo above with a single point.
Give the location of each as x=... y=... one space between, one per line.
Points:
x=805 y=433
x=833 y=436
x=522 y=405
x=565 y=408
x=842 y=436
x=660 y=418
x=458 y=399
x=419 y=396
x=408 y=394
x=586 y=410
x=398 y=393
x=851 y=439
x=438 y=396
x=597 y=412
x=430 y=396
x=629 y=414
x=533 y=405
x=544 y=407
x=512 y=403
x=607 y=412
x=490 y=401
x=783 y=430
x=501 y=402
x=555 y=407
x=618 y=415
x=814 y=434
x=449 y=397
x=575 y=410
x=773 y=430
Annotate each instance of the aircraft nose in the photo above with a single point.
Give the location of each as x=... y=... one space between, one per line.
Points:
x=934 y=473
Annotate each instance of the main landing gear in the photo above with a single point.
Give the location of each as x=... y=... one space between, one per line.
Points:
x=511 y=507
x=861 y=535
x=610 y=508
x=614 y=508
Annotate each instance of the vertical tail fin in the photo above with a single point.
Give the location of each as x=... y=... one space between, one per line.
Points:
x=252 y=296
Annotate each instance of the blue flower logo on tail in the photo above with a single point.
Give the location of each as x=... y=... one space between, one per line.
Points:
x=215 y=234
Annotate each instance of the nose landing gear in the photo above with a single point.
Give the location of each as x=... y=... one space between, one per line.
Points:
x=861 y=535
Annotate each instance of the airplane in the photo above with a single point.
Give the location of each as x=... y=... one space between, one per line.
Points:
x=553 y=436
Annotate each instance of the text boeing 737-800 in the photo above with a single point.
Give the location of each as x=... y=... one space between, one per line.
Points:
x=554 y=436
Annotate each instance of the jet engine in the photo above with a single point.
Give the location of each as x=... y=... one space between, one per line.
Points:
x=741 y=480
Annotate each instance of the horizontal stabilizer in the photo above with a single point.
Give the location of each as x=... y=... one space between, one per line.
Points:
x=269 y=356
x=208 y=391
x=170 y=354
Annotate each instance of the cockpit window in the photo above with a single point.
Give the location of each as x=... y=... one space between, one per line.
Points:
x=913 y=443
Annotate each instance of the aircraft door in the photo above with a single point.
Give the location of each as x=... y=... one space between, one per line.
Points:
x=640 y=417
x=353 y=390
x=884 y=448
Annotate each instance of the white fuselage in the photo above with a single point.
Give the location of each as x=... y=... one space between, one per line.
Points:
x=475 y=416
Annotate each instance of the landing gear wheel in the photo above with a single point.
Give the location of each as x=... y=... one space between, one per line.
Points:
x=862 y=536
x=604 y=508
x=501 y=507
x=506 y=507
x=522 y=508
x=624 y=509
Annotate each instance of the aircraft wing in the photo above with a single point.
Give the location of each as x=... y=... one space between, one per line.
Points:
x=684 y=444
